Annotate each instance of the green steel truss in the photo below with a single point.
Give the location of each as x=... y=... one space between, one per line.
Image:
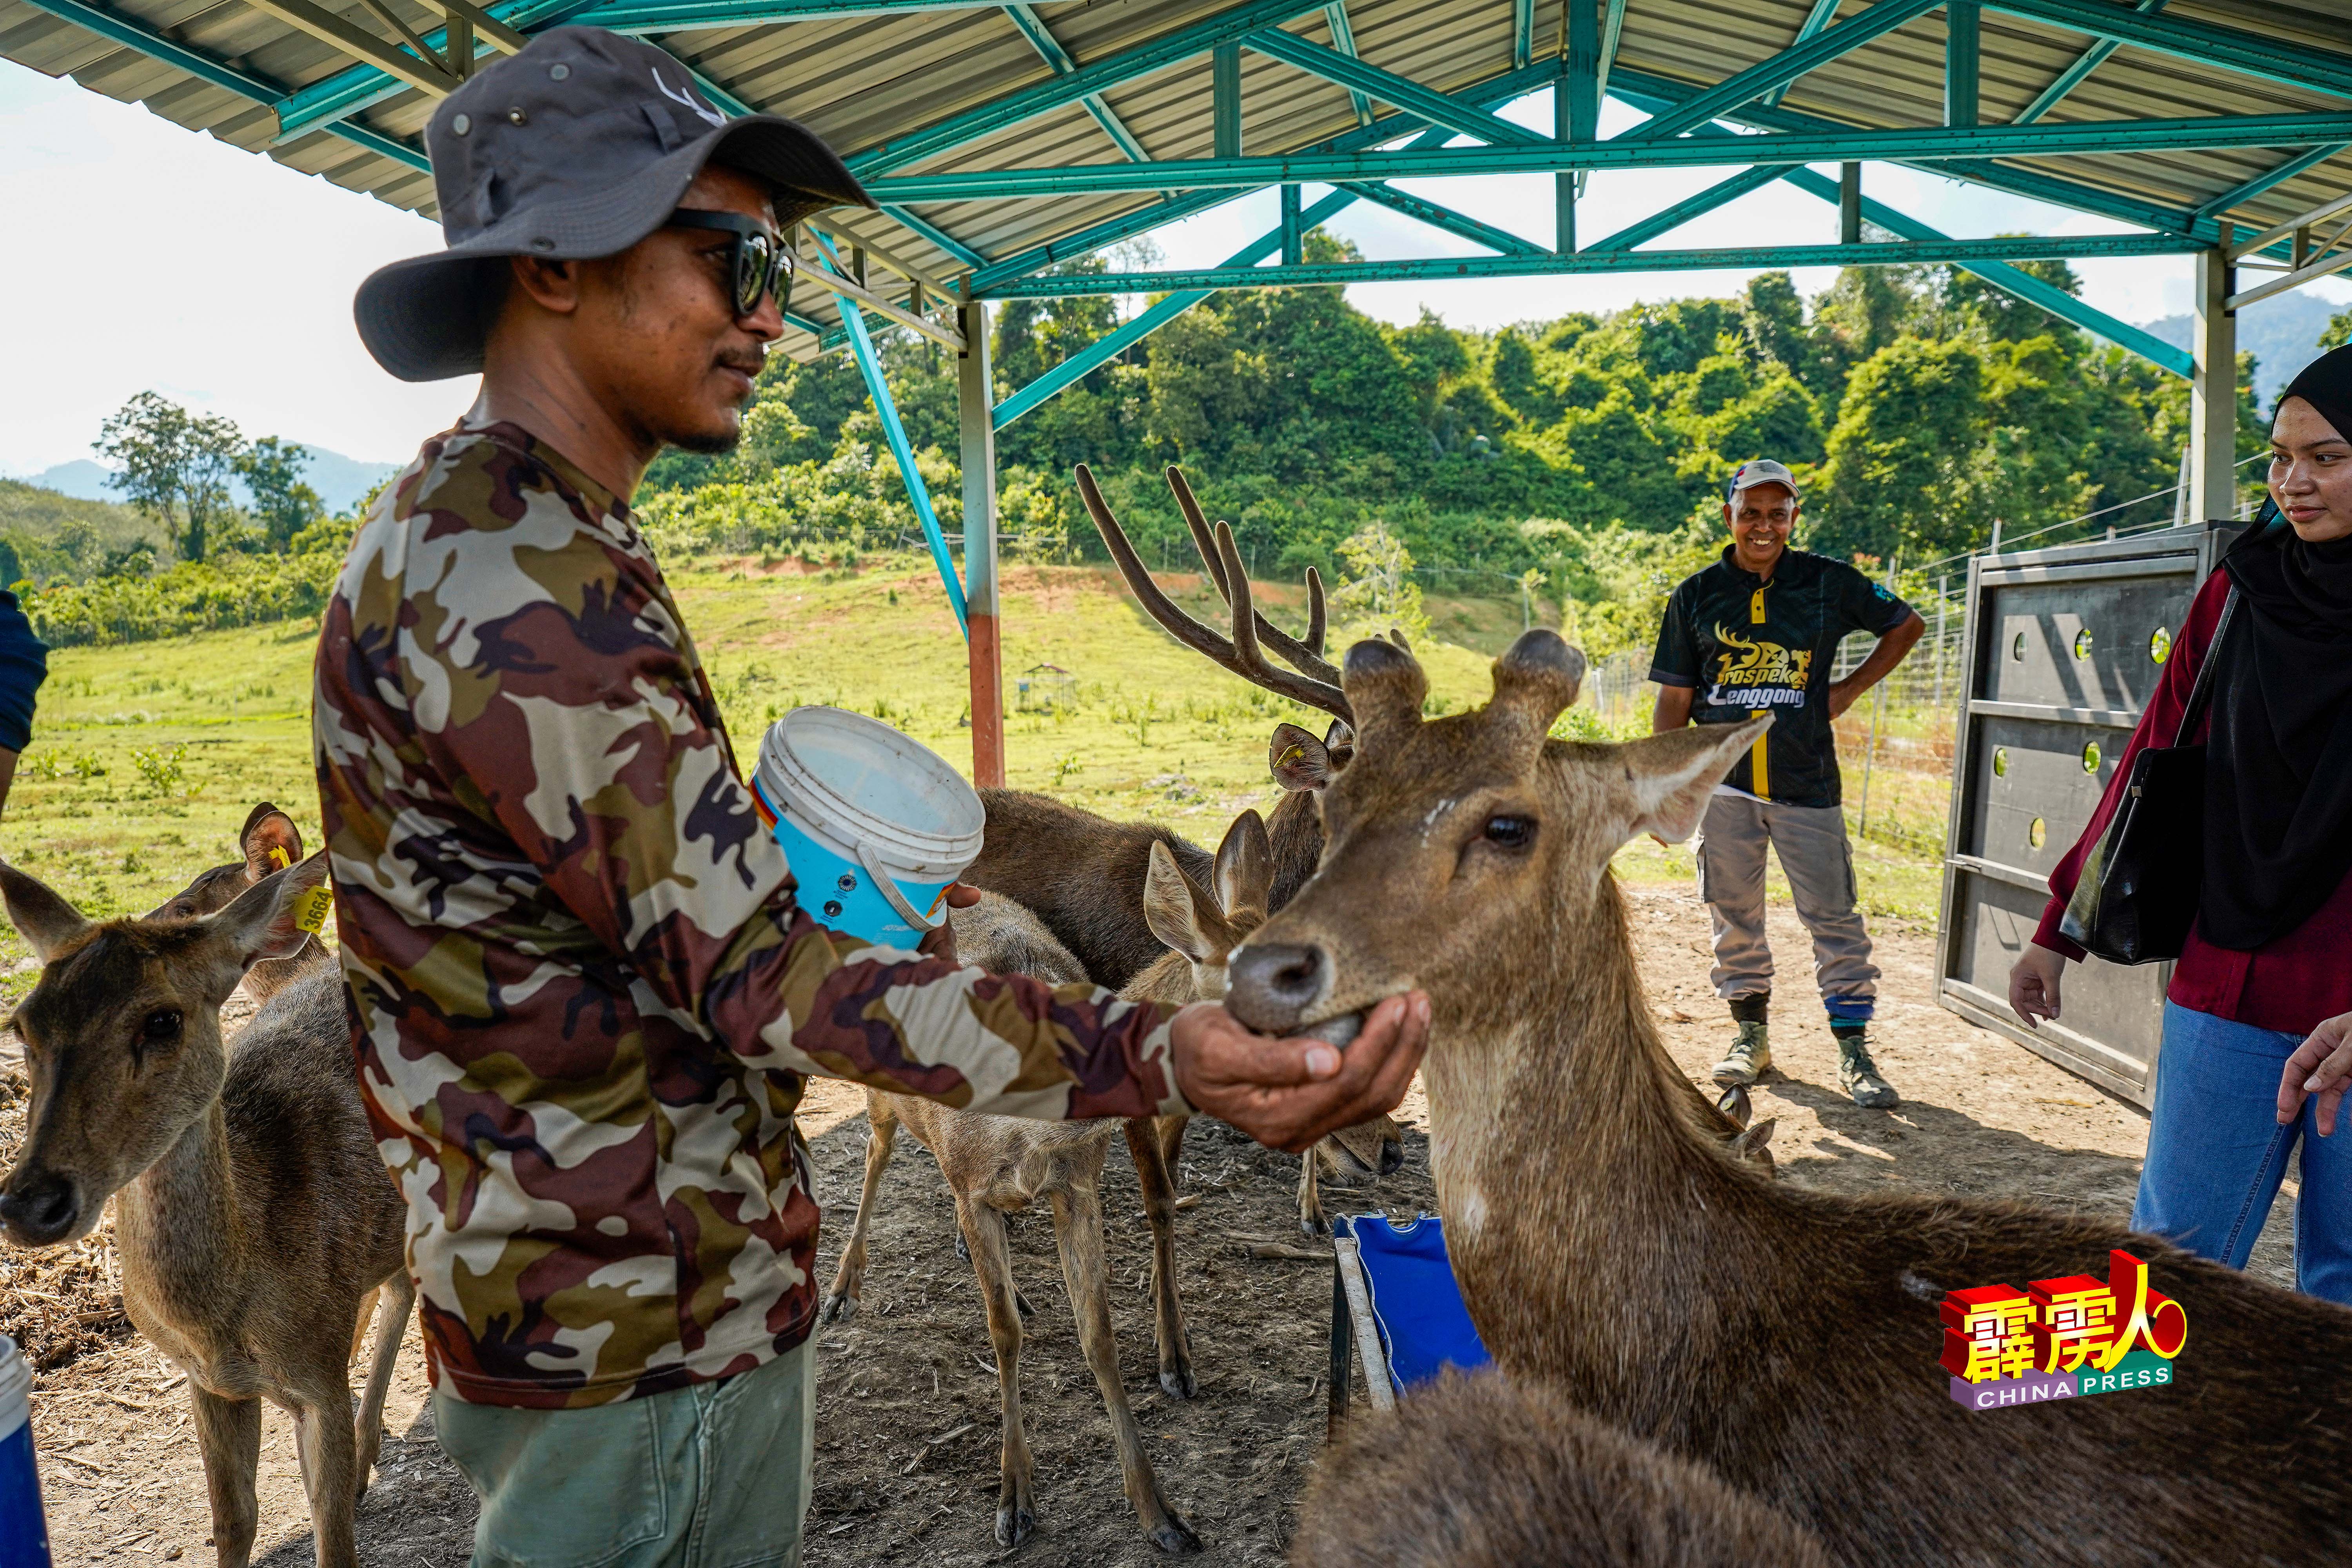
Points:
x=1912 y=144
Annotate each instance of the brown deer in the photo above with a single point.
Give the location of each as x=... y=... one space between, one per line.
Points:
x=1305 y=766
x=268 y=842
x=255 y=1223
x=995 y=1165
x=1490 y=1471
x=1201 y=927
x=1605 y=1245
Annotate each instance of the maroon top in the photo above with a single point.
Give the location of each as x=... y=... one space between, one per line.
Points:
x=2289 y=984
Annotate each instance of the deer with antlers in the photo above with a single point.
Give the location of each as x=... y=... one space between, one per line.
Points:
x=1305 y=766
x=1605 y=1245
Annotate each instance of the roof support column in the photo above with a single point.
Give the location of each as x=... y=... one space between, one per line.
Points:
x=984 y=652
x=1849 y=204
x=1963 y=31
x=1294 y=233
x=1576 y=107
x=2213 y=391
x=1225 y=99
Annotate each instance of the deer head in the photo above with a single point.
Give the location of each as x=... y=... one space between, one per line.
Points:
x=122 y=1038
x=1203 y=928
x=269 y=842
x=1465 y=853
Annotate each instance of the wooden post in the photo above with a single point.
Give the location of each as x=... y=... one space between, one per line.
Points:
x=974 y=400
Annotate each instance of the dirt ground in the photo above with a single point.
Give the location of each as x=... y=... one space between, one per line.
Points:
x=906 y=1460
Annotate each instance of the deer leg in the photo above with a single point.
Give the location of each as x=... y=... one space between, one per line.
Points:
x=991 y=1264
x=325 y=1438
x=395 y=1297
x=228 y=1435
x=1077 y=1226
x=1167 y=1305
x=1172 y=1146
x=1310 y=1198
x=849 y=1278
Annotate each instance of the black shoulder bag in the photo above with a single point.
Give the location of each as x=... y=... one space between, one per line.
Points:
x=2138 y=896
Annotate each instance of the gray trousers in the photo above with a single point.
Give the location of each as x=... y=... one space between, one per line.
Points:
x=1819 y=863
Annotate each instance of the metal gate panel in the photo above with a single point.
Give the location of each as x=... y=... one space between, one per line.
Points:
x=2065 y=647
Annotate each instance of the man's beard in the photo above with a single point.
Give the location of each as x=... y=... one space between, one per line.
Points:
x=710 y=444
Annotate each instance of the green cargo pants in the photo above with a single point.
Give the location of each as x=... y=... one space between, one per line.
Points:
x=712 y=1476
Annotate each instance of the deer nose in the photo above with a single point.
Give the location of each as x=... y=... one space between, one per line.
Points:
x=39 y=1208
x=1273 y=986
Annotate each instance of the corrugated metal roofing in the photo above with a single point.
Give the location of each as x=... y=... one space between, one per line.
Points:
x=863 y=80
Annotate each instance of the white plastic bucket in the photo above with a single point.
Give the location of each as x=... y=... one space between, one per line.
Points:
x=874 y=824
x=24 y=1530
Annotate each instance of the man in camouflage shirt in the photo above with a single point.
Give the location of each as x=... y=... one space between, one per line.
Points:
x=583 y=993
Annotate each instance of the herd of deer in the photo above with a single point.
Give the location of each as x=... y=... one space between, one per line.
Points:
x=1696 y=1363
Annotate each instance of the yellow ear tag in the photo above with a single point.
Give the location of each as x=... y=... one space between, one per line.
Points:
x=278 y=858
x=311 y=907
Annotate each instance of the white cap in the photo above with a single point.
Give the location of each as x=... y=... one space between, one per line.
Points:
x=1761 y=471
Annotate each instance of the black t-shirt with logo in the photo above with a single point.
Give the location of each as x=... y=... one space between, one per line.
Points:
x=1747 y=644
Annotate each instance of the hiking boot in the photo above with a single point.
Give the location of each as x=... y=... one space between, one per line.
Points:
x=1858 y=1076
x=1750 y=1060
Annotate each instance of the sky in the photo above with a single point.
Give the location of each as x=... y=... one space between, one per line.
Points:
x=141 y=256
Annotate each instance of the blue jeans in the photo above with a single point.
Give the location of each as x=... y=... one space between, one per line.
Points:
x=2216 y=1152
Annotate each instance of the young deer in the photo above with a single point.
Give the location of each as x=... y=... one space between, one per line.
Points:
x=268 y=842
x=1305 y=766
x=1605 y=1244
x=997 y=1164
x=1201 y=926
x=1495 y=1472
x=256 y=1224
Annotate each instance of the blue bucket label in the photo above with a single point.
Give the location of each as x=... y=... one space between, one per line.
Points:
x=840 y=895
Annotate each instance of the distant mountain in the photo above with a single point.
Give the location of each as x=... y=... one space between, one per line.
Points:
x=2281 y=332
x=341 y=481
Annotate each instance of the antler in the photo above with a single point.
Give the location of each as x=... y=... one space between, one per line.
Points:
x=1306 y=657
x=1241 y=653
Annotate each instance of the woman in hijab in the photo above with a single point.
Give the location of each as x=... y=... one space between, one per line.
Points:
x=2250 y=1066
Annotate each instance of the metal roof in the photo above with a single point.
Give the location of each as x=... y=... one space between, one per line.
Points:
x=873 y=76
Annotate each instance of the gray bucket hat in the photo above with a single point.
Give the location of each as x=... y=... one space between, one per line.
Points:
x=579 y=146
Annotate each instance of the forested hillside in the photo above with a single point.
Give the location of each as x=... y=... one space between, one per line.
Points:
x=1917 y=404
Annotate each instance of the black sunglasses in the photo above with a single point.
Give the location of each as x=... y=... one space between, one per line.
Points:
x=758 y=262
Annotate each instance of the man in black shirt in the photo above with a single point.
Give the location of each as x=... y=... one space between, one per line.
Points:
x=1760 y=629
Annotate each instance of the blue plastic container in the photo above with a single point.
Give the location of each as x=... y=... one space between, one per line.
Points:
x=24 y=1529
x=876 y=824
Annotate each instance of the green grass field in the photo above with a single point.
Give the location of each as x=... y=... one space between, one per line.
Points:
x=147 y=757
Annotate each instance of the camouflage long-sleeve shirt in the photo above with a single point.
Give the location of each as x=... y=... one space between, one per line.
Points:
x=582 y=993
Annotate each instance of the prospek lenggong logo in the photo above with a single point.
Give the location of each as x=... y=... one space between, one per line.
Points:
x=1757 y=674
x=2062 y=1339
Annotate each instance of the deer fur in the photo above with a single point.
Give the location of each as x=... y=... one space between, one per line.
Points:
x=1488 y=1471
x=268 y=841
x=255 y=1223
x=995 y=1165
x=1607 y=1246
x=1201 y=928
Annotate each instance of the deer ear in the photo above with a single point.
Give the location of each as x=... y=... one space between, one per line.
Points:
x=270 y=841
x=1168 y=907
x=1245 y=865
x=1385 y=687
x=41 y=916
x=1673 y=775
x=1299 y=761
x=268 y=918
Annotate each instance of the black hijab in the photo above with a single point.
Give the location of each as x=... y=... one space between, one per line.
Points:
x=2278 y=768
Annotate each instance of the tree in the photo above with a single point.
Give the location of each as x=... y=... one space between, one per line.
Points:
x=2001 y=315
x=175 y=466
x=1902 y=458
x=285 y=506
